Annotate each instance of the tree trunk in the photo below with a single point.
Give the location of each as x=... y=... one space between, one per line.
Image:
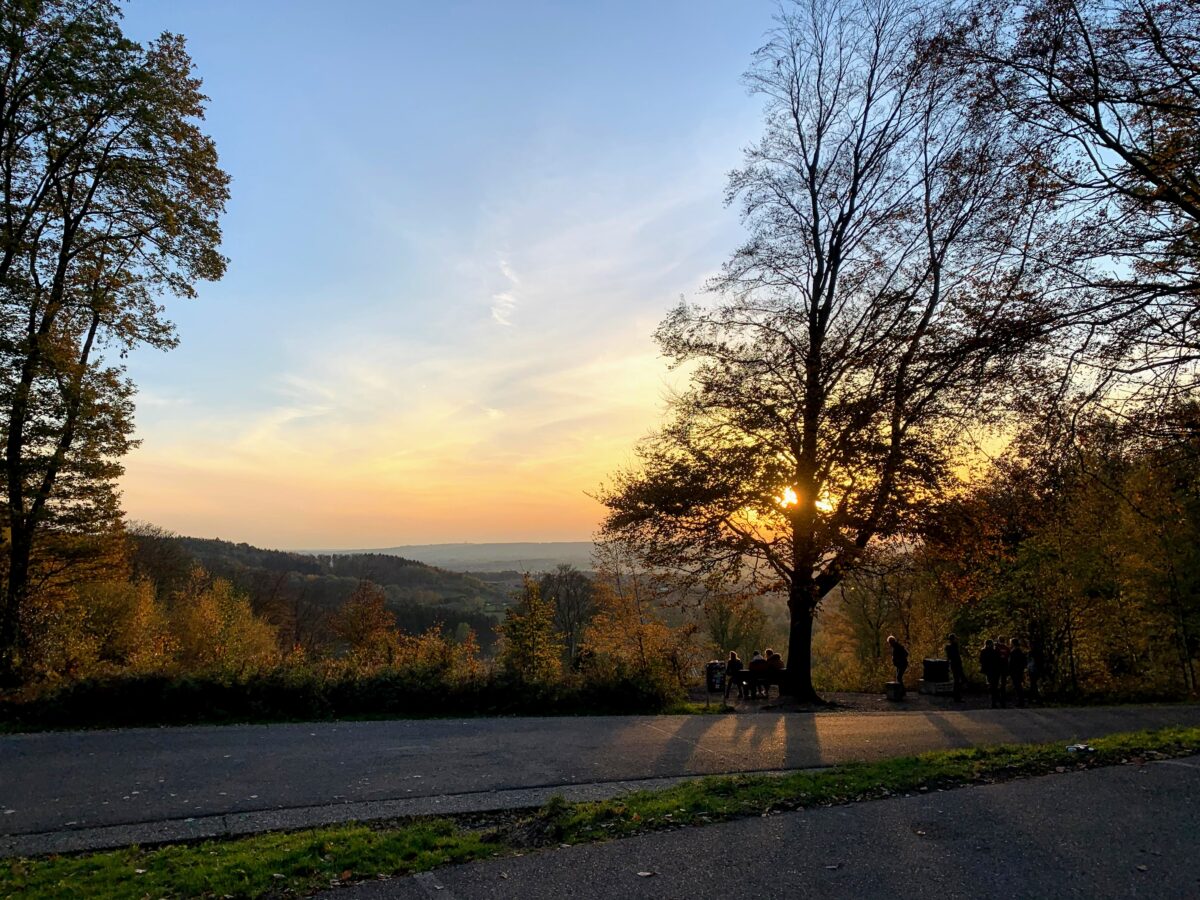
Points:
x=799 y=660
x=19 y=552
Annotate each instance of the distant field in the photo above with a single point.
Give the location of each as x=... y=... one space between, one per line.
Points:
x=521 y=557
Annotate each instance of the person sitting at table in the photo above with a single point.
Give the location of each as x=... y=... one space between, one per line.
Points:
x=757 y=669
x=733 y=673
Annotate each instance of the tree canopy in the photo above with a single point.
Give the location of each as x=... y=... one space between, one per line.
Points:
x=882 y=305
x=111 y=196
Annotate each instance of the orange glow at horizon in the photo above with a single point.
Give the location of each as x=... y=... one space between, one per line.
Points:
x=334 y=471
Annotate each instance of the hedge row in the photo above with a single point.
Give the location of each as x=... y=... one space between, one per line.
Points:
x=307 y=696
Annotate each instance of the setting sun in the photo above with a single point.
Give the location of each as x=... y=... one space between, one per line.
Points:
x=790 y=498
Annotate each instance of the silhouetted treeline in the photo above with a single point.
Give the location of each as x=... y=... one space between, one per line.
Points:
x=1086 y=549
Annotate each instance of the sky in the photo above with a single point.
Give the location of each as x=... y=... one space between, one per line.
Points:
x=453 y=229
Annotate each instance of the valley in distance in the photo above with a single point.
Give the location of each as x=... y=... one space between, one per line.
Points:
x=459 y=587
x=528 y=556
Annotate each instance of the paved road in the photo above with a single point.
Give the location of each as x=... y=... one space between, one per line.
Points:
x=103 y=788
x=1126 y=831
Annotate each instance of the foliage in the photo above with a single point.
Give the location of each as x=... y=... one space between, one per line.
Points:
x=629 y=634
x=215 y=631
x=1087 y=553
x=531 y=647
x=111 y=198
x=327 y=690
x=571 y=593
x=365 y=623
x=733 y=621
x=1091 y=557
x=883 y=301
x=297 y=592
x=103 y=626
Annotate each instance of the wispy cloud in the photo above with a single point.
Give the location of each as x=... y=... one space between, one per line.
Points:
x=504 y=303
x=416 y=418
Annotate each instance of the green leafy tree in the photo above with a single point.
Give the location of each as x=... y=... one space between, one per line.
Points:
x=110 y=196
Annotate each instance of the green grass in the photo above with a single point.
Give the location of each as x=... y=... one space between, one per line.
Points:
x=305 y=861
x=301 y=861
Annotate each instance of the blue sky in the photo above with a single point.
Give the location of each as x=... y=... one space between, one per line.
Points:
x=453 y=229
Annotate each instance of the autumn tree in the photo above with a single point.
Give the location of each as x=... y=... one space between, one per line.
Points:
x=882 y=306
x=733 y=620
x=571 y=593
x=367 y=626
x=629 y=635
x=434 y=655
x=530 y=643
x=215 y=631
x=1087 y=552
x=110 y=195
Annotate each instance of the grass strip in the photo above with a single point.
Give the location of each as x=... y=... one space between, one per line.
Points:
x=301 y=862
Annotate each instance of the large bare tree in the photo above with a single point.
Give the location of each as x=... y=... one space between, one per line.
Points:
x=1104 y=98
x=882 y=307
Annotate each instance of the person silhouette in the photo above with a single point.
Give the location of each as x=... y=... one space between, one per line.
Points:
x=1017 y=660
x=733 y=674
x=989 y=665
x=899 y=659
x=954 y=657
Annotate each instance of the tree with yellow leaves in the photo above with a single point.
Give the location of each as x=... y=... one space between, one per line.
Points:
x=530 y=644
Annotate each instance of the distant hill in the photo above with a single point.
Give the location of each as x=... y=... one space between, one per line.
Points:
x=532 y=557
x=286 y=586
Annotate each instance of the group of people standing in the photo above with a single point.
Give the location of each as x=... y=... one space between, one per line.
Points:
x=1000 y=661
x=1003 y=661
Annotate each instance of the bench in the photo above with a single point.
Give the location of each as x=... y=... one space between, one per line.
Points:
x=750 y=682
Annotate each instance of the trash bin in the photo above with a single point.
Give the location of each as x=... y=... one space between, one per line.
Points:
x=936 y=670
x=714 y=676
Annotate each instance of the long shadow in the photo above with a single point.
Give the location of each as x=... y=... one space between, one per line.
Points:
x=662 y=746
x=942 y=722
x=802 y=740
x=702 y=745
